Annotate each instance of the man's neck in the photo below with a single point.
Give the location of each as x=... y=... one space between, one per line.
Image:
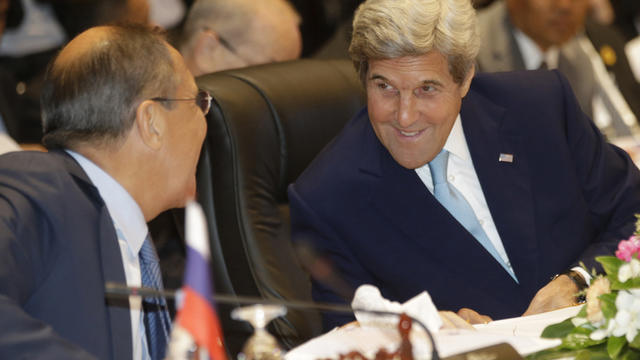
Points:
x=124 y=168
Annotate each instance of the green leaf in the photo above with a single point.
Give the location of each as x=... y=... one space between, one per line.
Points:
x=551 y=354
x=636 y=342
x=611 y=264
x=593 y=353
x=582 y=313
x=608 y=305
x=579 y=341
x=583 y=355
x=598 y=352
x=632 y=283
x=615 y=345
x=558 y=330
x=630 y=354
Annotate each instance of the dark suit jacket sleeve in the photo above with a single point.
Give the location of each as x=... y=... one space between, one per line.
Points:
x=26 y=254
x=609 y=179
x=309 y=229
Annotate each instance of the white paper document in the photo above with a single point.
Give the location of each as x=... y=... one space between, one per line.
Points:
x=523 y=333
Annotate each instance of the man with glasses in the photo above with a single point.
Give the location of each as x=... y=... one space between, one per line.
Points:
x=124 y=133
x=228 y=34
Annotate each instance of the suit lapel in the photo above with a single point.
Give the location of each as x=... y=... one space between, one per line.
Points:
x=506 y=187
x=400 y=196
x=113 y=271
x=118 y=310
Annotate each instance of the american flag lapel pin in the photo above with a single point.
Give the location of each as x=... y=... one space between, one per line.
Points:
x=508 y=158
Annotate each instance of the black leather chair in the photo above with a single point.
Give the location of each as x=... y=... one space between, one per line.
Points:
x=265 y=126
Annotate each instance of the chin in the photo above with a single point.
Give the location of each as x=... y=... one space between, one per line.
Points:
x=190 y=192
x=410 y=164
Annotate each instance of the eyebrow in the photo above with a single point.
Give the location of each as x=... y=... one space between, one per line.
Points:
x=378 y=77
x=431 y=82
x=424 y=82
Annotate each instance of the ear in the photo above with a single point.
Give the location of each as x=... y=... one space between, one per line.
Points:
x=150 y=123
x=466 y=83
x=205 y=50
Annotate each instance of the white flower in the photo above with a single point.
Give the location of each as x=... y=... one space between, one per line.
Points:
x=627 y=319
x=579 y=321
x=599 y=334
x=629 y=270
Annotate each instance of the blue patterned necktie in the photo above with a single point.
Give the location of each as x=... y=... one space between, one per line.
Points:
x=458 y=206
x=156 y=315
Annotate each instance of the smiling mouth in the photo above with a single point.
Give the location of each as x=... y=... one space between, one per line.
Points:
x=410 y=133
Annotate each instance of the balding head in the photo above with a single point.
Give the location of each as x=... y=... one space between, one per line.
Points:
x=224 y=34
x=94 y=85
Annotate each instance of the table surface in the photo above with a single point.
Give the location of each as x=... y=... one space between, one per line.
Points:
x=523 y=333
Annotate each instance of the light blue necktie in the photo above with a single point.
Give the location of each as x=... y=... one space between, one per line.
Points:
x=458 y=206
x=156 y=315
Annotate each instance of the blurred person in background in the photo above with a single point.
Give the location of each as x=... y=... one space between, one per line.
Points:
x=36 y=29
x=627 y=17
x=6 y=112
x=533 y=34
x=227 y=34
x=220 y=35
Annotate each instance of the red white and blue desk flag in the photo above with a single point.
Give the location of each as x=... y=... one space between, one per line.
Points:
x=196 y=310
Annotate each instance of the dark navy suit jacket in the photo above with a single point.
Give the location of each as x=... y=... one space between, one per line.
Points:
x=566 y=197
x=58 y=247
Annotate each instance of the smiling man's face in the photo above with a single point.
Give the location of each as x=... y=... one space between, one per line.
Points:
x=413 y=102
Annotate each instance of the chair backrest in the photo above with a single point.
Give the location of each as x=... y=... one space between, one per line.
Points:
x=265 y=126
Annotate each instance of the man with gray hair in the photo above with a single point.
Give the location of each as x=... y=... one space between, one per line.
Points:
x=228 y=34
x=476 y=188
x=124 y=134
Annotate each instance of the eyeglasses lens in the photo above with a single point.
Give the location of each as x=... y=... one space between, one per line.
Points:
x=204 y=101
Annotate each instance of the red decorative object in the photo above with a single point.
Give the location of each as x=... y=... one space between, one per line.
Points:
x=404 y=351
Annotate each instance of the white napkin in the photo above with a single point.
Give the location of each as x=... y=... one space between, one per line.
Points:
x=420 y=307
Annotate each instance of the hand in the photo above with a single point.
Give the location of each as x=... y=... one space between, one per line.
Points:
x=557 y=294
x=472 y=317
x=451 y=320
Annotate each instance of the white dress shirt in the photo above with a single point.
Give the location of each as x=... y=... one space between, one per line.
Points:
x=462 y=174
x=532 y=55
x=131 y=229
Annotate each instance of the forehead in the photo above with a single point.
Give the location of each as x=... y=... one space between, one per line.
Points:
x=531 y=7
x=182 y=74
x=430 y=66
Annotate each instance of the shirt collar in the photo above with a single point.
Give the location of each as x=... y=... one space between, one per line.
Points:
x=125 y=212
x=456 y=143
x=531 y=53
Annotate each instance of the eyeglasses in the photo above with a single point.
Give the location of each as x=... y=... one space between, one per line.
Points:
x=203 y=100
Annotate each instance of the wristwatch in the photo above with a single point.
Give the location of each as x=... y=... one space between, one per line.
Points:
x=580 y=282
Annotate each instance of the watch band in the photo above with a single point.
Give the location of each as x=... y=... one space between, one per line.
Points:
x=580 y=282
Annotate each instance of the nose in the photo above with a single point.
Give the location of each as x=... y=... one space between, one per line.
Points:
x=407 y=113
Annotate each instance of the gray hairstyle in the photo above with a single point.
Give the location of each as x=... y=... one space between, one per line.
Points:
x=94 y=98
x=387 y=29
